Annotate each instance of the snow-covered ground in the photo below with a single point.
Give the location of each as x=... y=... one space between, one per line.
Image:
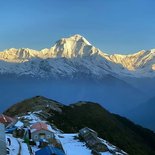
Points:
x=24 y=149
x=17 y=147
x=19 y=124
x=73 y=146
x=113 y=148
x=32 y=118
x=14 y=146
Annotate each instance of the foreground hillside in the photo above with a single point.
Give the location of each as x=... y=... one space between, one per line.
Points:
x=118 y=130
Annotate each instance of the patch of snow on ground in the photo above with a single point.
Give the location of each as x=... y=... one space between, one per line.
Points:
x=24 y=149
x=32 y=118
x=113 y=148
x=73 y=146
x=106 y=153
x=19 y=124
x=14 y=147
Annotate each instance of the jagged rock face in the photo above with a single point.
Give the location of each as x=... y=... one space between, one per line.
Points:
x=74 y=56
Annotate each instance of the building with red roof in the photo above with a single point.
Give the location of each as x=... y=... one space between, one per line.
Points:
x=41 y=131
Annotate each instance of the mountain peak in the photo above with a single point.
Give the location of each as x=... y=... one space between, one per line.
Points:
x=74 y=46
x=77 y=38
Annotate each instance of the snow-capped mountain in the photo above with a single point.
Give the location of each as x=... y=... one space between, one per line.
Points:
x=140 y=64
x=73 y=56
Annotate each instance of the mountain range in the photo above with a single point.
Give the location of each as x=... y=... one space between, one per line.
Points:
x=72 y=56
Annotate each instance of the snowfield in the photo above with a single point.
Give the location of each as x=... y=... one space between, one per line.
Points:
x=72 y=146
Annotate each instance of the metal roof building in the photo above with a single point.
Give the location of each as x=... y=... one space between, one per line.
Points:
x=49 y=150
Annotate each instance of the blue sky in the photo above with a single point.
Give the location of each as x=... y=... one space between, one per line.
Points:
x=114 y=26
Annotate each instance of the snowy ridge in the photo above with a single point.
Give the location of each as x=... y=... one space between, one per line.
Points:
x=75 y=56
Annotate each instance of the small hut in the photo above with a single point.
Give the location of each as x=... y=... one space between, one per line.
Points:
x=91 y=139
x=41 y=131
